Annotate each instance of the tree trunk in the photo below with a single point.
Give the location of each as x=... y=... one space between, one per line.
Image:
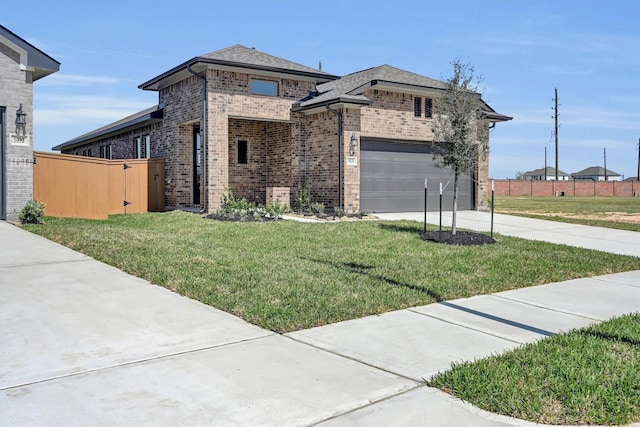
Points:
x=455 y=203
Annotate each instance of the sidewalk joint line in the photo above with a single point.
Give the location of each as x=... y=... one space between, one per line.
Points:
x=133 y=362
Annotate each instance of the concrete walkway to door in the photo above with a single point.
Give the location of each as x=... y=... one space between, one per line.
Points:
x=619 y=242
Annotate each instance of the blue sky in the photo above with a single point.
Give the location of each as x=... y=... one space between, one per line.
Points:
x=589 y=50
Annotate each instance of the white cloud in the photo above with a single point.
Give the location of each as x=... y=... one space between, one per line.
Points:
x=77 y=80
x=85 y=112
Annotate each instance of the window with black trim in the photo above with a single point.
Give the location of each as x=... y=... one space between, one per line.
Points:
x=137 y=148
x=102 y=150
x=428 y=103
x=147 y=146
x=264 y=87
x=417 y=106
x=107 y=151
x=243 y=154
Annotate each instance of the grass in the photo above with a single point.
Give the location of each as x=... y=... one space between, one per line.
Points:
x=598 y=209
x=286 y=275
x=587 y=376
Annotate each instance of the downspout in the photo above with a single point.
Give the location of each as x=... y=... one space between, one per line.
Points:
x=340 y=137
x=203 y=138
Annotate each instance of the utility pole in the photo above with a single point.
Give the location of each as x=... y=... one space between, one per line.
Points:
x=605 y=164
x=555 y=116
x=545 y=163
x=638 y=176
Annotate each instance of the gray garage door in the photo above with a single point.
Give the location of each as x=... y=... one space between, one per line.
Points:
x=392 y=175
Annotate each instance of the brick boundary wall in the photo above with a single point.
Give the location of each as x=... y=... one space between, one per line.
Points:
x=517 y=187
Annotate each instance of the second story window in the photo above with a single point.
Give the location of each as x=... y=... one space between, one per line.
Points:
x=264 y=87
x=417 y=106
x=427 y=108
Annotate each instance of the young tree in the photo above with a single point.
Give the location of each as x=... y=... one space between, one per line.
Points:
x=455 y=127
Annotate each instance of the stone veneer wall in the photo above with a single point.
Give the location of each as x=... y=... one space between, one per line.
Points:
x=16 y=87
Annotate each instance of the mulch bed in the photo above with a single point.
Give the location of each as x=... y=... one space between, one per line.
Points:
x=461 y=238
x=238 y=218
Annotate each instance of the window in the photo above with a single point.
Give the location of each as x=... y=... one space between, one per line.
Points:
x=137 y=148
x=264 y=87
x=147 y=146
x=107 y=151
x=427 y=107
x=243 y=155
x=102 y=150
x=417 y=106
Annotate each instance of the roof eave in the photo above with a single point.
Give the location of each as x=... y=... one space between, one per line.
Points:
x=154 y=84
x=153 y=117
x=347 y=101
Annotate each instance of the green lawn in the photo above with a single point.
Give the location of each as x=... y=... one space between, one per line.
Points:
x=587 y=376
x=288 y=275
x=598 y=209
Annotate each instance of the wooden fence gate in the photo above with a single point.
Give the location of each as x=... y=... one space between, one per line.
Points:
x=88 y=187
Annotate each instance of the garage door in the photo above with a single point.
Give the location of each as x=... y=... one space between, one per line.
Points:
x=392 y=175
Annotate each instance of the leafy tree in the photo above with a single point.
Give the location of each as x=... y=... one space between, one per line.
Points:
x=519 y=175
x=456 y=126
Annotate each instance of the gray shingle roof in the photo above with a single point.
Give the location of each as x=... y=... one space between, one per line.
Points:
x=142 y=118
x=595 y=171
x=540 y=172
x=250 y=56
x=242 y=57
x=350 y=88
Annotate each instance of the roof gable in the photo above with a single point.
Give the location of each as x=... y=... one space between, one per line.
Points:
x=31 y=58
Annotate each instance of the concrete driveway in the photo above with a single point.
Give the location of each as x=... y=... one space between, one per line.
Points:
x=86 y=344
x=619 y=242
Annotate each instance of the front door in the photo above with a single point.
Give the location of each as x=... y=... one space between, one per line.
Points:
x=197 y=165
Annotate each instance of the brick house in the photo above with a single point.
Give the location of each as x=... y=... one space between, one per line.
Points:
x=21 y=64
x=263 y=125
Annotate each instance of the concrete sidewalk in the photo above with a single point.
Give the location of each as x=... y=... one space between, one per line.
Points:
x=86 y=344
x=619 y=242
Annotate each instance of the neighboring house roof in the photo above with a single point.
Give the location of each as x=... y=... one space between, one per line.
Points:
x=350 y=88
x=540 y=172
x=235 y=57
x=631 y=178
x=134 y=121
x=594 y=171
x=31 y=58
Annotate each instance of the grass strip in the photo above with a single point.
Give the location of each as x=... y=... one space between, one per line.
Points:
x=586 y=376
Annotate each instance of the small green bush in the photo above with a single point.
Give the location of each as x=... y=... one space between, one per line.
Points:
x=32 y=213
x=276 y=210
x=318 y=209
x=303 y=198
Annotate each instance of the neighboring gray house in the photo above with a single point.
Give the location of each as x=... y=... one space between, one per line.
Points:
x=21 y=64
x=597 y=173
x=549 y=175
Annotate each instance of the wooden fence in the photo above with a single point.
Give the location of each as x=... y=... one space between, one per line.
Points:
x=88 y=187
x=518 y=187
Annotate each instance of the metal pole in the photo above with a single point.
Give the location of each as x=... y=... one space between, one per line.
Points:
x=424 y=228
x=441 y=207
x=638 y=176
x=605 y=164
x=555 y=116
x=493 y=204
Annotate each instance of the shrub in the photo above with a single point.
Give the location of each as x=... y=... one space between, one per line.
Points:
x=276 y=210
x=318 y=209
x=303 y=198
x=32 y=213
x=338 y=211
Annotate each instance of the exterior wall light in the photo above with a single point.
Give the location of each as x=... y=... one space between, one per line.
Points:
x=353 y=143
x=21 y=124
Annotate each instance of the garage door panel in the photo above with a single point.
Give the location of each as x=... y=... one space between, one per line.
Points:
x=392 y=178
